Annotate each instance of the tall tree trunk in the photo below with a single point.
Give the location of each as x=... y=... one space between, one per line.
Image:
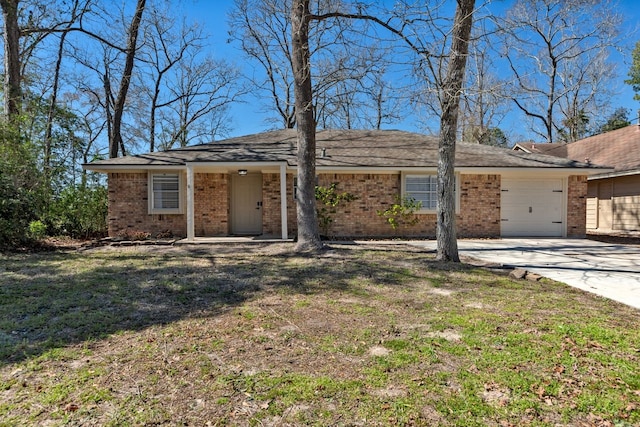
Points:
x=308 y=231
x=447 y=245
x=48 y=135
x=116 y=142
x=12 y=75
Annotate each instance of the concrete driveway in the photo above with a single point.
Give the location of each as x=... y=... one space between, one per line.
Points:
x=606 y=269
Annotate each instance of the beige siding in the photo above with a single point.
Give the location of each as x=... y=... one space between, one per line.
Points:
x=626 y=203
x=592 y=206
x=605 y=205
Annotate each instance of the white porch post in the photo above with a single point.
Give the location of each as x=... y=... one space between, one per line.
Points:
x=283 y=201
x=190 y=213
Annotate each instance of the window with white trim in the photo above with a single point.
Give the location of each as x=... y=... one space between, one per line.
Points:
x=423 y=188
x=165 y=195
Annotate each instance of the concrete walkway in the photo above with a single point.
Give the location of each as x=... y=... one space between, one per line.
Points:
x=605 y=269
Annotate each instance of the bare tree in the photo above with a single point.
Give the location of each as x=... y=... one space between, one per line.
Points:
x=263 y=30
x=484 y=100
x=342 y=71
x=77 y=10
x=198 y=96
x=26 y=24
x=447 y=246
x=308 y=231
x=546 y=45
x=12 y=62
x=116 y=143
x=167 y=45
x=587 y=92
x=424 y=31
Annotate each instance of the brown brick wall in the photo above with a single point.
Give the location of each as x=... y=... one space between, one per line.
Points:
x=479 y=206
x=211 y=204
x=271 y=205
x=358 y=217
x=129 y=208
x=577 y=206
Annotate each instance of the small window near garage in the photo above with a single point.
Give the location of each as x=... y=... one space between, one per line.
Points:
x=424 y=189
x=165 y=195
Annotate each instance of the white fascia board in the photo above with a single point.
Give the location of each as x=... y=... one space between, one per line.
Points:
x=273 y=166
x=131 y=168
x=538 y=172
x=615 y=174
x=517 y=171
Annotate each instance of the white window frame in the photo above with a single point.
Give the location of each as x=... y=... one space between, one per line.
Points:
x=426 y=210
x=151 y=198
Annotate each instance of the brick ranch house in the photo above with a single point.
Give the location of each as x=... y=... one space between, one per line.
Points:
x=247 y=186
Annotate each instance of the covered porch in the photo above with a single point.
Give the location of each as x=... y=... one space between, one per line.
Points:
x=245 y=210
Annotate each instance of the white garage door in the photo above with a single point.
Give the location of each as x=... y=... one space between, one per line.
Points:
x=532 y=207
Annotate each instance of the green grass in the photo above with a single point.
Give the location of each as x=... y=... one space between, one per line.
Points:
x=256 y=335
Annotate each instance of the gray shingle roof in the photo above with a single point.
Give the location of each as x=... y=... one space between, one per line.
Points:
x=343 y=148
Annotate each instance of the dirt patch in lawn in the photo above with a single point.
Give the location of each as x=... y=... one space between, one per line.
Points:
x=253 y=334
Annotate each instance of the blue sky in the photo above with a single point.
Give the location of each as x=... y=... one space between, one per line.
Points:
x=247 y=118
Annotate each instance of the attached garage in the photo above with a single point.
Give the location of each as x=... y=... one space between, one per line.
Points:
x=532 y=207
x=613 y=198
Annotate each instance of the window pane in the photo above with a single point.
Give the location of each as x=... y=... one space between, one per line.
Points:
x=420 y=183
x=423 y=189
x=166 y=191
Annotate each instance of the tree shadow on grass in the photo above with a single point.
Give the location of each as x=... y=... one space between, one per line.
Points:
x=50 y=300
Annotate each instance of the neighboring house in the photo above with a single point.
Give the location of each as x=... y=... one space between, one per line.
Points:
x=247 y=186
x=613 y=197
x=537 y=148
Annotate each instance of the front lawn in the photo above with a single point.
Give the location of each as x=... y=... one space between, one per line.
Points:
x=255 y=335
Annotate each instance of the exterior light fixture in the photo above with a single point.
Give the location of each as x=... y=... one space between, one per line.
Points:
x=242 y=172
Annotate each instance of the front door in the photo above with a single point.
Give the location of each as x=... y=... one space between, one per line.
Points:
x=246 y=204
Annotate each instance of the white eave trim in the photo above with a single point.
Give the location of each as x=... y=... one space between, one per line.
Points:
x=533 y=170
x=229 y=166
x=131 y=168
x=614 y=174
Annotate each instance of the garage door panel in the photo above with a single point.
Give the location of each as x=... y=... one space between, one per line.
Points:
x=532 y=208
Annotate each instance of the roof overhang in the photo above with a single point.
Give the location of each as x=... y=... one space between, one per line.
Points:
x=197 y=166
x=537 y=171
x=610 y=174
x=228 y=167
x=129 y=168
